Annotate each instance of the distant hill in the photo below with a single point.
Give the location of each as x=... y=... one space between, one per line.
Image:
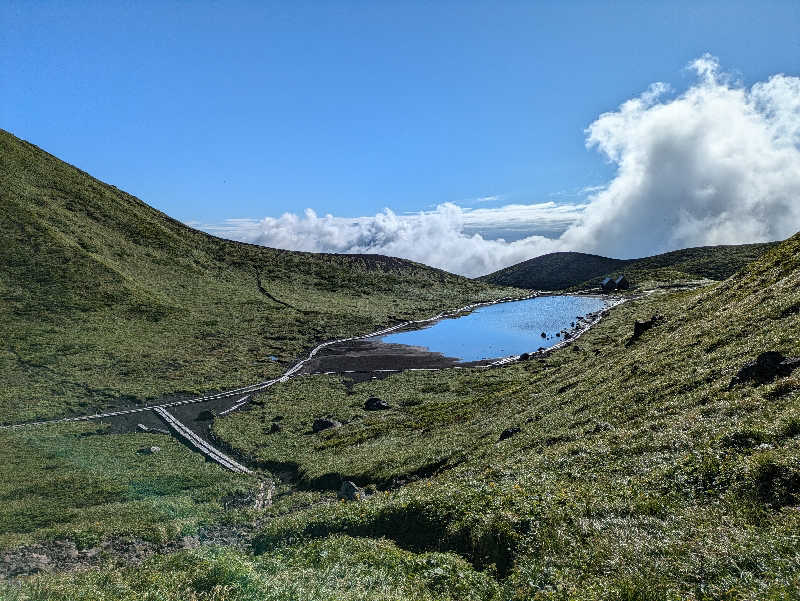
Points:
x=562 y=270
x=105 y=299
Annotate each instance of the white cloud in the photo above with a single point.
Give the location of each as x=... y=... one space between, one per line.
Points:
x=718 y=164
x=442 y=238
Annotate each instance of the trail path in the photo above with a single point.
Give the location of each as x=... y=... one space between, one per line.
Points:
x=225 y=461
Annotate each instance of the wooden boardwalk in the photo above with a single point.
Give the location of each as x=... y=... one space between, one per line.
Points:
x=201 y=445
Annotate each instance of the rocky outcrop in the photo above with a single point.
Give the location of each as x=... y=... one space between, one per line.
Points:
x=350 y=492
x=509 y=432
x=640 y=327
x=766 y=367
x=324 y=423
x=375 y=404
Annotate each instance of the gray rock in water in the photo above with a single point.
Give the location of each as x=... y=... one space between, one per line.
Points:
x=324 y=423
x=373 y=403
x=350 y=492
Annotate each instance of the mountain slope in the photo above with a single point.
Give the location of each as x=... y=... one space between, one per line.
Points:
x=106 y=300
x=637 y=471
x=558 y=271
x=554 y=271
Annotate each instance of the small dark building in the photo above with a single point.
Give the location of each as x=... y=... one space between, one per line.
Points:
x=608 y=285
x=622 y=283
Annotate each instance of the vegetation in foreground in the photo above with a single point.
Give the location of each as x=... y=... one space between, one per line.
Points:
x=105 y=301
x=639 y=472
x=576 y=271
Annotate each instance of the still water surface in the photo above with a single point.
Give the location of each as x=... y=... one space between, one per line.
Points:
x=501 y=330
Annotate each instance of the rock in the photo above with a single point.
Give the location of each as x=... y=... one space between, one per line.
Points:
x=765 y=368
x=149 y=450
x=324 y=423
x=509 y=432
x=544 y=334
x=375 y=404
x=144 y=428
x=275 y=428
x=350 y=492
x=525 y=357
x=640 y=327
x=264 y=496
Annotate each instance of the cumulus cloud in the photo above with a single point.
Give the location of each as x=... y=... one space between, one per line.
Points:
x=442 y=238
x=717 y=164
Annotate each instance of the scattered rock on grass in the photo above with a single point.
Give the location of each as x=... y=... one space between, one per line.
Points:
x=640 y=327
x=350 y=492
x=509 y=432
x=149 y=450
x=765 y=368
x=324 y=423
x=375 y=404
x=143 y=428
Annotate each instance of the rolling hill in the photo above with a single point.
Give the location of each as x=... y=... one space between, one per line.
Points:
x=652 y=470
x=567 y=270
x=106 y=300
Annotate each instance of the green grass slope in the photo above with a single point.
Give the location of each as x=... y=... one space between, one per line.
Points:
x=554 y=271
x=638 y=473
x=104 y=300
x=559 y=271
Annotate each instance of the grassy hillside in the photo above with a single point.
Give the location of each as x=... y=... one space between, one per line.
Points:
x=104 y=300
x=560 y=271
x=639 y=472
x=554 y=271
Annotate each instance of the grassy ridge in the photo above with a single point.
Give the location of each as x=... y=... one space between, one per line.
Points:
x=567 y=270
x=106 y=300
x=638 y=472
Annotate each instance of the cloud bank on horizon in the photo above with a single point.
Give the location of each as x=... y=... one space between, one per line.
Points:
x=717 y=164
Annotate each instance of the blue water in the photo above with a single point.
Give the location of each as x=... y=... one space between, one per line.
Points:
x=501 y=330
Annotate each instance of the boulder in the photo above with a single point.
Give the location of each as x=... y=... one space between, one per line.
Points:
x=350 y=492
x=525 y=357
x=766 y=367
x=149 y=450
x=640 y=327
x=275 y=428
x=324 y=423
x=509 y=432
x=373 y=403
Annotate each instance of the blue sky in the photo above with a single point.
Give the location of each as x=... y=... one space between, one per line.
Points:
x=212 y=110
